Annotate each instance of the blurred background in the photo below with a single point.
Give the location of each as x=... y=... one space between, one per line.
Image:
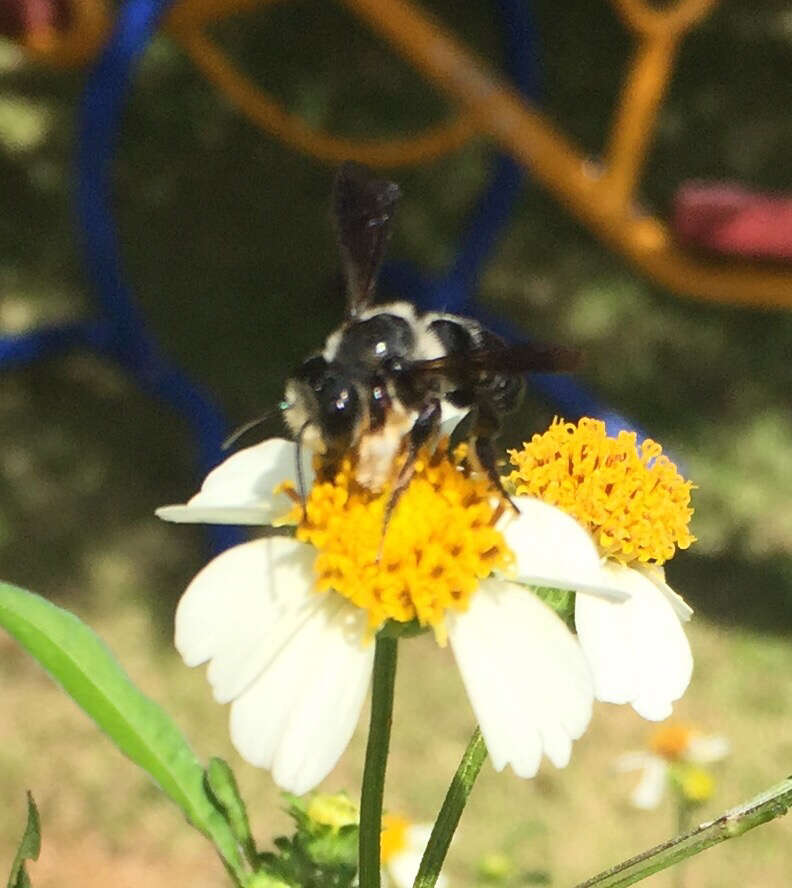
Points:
x=227 y=245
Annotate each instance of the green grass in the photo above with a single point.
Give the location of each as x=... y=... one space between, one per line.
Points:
x=571 y=822
x=226 y=239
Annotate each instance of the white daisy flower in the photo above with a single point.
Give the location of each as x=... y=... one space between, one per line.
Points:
x=286 y=624
x=636 y=508
x=403 y=846
x=674 y=747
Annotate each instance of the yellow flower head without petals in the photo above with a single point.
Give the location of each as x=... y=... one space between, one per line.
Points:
x=440 y=542
x=336 y=810
x=394 y=836
x=697 y=785
x=671 y=741
x=632 y=499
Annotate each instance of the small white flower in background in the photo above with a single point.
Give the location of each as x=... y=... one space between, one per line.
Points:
x=287 y=624
x=675 y=756
x=403 y=846
x=636 y=507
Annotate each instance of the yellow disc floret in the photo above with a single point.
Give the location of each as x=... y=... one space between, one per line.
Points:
x=336 y=810
x=697 y=785
x=440 y=541
x=671 y=741
x=632 y=499
x=394 y=836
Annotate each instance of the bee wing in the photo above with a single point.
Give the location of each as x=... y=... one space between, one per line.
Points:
x=363 y=208
x=522 y=357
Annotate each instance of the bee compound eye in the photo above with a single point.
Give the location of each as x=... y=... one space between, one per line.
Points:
x=313 y=372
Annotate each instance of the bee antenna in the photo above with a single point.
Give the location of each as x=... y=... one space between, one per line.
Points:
x=300 y=471
x=244 y=429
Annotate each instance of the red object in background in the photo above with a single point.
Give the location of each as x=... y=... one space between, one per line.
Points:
x=734 y=221
x=23 y=19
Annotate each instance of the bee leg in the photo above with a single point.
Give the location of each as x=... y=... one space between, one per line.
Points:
x=425 y=426
x=485 y=453
x=485 y=426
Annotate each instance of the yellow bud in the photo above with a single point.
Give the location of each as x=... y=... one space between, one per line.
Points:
x=496 y=867
x=333 y=810
x=697 y=785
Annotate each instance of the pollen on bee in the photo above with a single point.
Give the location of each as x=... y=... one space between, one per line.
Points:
x=377 y=450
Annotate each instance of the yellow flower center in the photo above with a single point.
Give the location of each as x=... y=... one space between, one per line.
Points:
x=334 y=811
x=697 y=785
x=632 y=499
x=440 y=541
x=496 y=868
x=671 y=741
x=394 y=836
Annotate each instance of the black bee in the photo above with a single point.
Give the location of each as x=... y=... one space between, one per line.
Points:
x=389 y=375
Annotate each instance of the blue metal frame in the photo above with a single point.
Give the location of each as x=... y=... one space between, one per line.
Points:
x=126 y=339
x=119 y=333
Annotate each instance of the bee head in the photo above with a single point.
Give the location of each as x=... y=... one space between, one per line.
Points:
x=326 y=403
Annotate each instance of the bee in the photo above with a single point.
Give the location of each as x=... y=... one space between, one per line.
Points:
x=389 y=376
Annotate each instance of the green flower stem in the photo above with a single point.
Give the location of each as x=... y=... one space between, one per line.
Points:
x=376 y=759
x=453 y=805
x=772 y=803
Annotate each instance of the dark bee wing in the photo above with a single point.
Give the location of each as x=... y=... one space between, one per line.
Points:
x=363 y=208
x=523 y=357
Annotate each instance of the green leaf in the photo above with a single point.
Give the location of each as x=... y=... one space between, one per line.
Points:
x=78 y=659
x=223 y=787
x=561 y=601
x=29 y=848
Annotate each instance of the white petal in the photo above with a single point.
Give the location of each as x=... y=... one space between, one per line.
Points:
x=298 y=717
x=243 y=607
x=402 y=868
x=632 y=761
x=525 y=675
x=657 y=575
x=240 y=490
x=552 y=549
x=637 y=649
x=704 y=749
x=649 y=791
x=294 y=662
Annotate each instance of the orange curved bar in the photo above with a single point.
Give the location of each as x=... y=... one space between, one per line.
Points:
x=634 y=121
x=519 y=129
x=671 y=20
x=196 y=13
x=291 y=129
